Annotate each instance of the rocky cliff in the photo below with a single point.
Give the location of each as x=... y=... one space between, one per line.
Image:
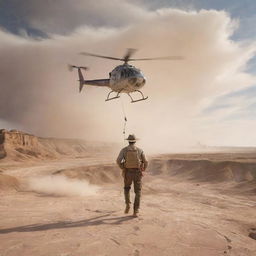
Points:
x=17 y=145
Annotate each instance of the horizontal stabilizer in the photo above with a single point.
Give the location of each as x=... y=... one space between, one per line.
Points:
x=71 y=67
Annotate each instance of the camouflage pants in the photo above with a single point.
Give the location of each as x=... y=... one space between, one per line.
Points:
x=132 y=176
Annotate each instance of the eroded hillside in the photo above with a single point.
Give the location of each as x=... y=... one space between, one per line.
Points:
x=18 y=146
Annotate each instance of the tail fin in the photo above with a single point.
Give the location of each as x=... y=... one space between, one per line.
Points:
x=80 y=75
x=81 y=79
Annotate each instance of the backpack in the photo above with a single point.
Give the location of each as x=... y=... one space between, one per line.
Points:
x=132 y=159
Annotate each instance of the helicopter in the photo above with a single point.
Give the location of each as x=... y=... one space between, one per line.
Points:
x=123 y=78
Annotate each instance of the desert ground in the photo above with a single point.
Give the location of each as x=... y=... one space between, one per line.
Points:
x=192 y=205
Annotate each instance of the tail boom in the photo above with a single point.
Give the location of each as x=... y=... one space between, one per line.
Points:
x=82 y=81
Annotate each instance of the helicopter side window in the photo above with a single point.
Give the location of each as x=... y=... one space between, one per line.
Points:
x=135 y=72
x=130 y=72
x=112 y=75
x=125 y=73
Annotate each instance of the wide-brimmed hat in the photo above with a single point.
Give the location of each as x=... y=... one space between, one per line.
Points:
x=132 y=138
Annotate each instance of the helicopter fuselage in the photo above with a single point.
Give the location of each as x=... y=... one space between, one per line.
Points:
x=123 y=78
x=126 y=78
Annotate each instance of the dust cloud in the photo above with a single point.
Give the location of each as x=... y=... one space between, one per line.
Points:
x=61 y=186
x=39 y=94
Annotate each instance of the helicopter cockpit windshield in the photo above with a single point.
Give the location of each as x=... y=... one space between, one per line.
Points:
x=130 y=72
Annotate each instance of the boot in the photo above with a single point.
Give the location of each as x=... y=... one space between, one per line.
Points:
x=135 y=213
x=127 y=208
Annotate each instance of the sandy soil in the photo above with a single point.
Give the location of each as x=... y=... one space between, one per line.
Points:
x=179 y=215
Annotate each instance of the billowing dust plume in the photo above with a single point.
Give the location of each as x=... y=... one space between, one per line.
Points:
x=61 y=186
x=39 y=95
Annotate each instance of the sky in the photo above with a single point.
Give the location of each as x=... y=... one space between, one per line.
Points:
x=207 y=98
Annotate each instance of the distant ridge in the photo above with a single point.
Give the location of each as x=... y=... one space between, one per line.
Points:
x=20 y=146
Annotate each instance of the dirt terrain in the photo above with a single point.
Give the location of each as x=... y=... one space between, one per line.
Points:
x=192 y=204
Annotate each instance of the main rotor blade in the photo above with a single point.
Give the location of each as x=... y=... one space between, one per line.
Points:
x=100 y=56
x=161 y=58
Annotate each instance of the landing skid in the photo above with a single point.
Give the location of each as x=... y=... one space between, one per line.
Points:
x=116 y=97
x=132 y=100
x=142 y=95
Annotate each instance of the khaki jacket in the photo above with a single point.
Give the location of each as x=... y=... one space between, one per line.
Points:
x=121 y=157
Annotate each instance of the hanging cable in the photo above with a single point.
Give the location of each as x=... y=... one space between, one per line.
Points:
x=125 y=119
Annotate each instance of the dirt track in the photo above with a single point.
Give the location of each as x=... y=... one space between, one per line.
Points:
x=179 y=216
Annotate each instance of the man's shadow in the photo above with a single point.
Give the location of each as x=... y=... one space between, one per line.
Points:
x=95 y=221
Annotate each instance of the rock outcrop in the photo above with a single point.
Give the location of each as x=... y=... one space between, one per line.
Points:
x=18 y=146
x=8 y=182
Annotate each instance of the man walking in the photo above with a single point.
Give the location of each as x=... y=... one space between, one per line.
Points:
x=133 y=162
